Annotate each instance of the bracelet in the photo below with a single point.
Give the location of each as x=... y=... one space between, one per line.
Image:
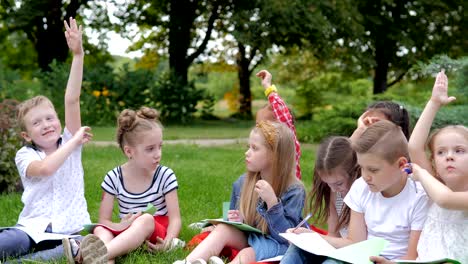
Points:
x=270 y=90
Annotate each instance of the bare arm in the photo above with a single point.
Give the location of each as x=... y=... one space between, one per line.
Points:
x=357 y=232
x=423 y=126
x=73 y=34
x=332 y=220
x=52 y=162
x=412 y=253
x=175 y=222
x=438 y=192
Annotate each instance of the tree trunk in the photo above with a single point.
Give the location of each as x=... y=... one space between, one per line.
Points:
x=245 y=108
x=381 y=69
x=181 y=20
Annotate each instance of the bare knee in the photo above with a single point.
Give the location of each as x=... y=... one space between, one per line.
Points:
x=145 y=222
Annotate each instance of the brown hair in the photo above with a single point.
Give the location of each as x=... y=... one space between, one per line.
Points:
x=334 y=153
x=29 y=104
x=463 y=130
x=280 y=141
x=131 y=123
x=395 y=113
x=385 y=139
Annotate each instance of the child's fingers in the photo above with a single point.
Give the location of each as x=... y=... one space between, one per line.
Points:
x=66 y=25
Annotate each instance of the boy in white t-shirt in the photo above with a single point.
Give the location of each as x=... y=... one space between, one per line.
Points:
x=50 y=168
x=384 y=202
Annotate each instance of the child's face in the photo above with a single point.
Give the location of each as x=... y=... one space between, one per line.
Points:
x=337 y=180
x=380 y=175
x=257 y=156
x=451 y=159
x=42 y=127
x=148 y=149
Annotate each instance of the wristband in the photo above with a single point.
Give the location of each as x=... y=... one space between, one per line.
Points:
x=270 y=89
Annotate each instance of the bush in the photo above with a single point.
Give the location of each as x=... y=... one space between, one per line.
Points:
x=177 y=102
x=10 y=143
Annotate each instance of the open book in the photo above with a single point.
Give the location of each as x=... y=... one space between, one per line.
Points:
x=150 y=209
x=355 y=253
x=434 y=261
x=40 y=236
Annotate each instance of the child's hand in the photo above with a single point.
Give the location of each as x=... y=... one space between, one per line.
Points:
x=366 y=119
x=266 y=78
x=83 y=135
x=73 y=34
x=128 y=219
x=235 y=216
x=161 y=245
x=266 y=193
x=299 y=230
x=416 y=171
x=380 y=260
x=440 y=90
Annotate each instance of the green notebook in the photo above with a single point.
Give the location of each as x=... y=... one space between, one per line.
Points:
x=150 y=209
x=434 y=261
x=238 y=225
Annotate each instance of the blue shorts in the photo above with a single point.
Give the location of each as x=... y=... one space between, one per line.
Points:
x=265 y=246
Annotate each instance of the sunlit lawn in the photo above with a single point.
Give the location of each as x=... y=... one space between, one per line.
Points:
x=205 y=175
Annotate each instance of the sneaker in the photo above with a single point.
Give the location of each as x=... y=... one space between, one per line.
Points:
x=215 y=260
x=93 y=250
x=71 y=250
x=175 y=244
x=181 y=262
x=199 y=261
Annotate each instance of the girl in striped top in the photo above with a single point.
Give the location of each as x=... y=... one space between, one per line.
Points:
x=137 y=182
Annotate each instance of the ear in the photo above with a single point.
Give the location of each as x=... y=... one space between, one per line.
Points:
x=402 y=161
x=25 y=136
x=128 y=151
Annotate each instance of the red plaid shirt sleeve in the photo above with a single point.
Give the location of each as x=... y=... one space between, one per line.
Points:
x=283 y=115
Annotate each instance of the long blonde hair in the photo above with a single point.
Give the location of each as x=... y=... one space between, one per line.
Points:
x=279 y=139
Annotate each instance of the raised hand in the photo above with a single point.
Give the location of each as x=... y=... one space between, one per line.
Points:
x=73 y=34
x=440 y=90
x=266 y=78
x=266 y=193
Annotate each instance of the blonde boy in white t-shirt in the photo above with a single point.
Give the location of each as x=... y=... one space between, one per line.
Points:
x=50 y=166
x=384 y=202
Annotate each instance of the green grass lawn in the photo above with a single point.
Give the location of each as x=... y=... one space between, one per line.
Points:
x=204 y=174
x=199 y=129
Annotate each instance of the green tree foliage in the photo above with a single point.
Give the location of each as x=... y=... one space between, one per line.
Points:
x=390 y=36
x=172 y=26
x=41 y=21
x=10 y=142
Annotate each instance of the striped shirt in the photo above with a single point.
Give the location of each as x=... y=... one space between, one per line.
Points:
x=164 y=182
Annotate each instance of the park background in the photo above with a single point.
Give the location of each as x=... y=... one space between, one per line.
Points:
x=196 y=63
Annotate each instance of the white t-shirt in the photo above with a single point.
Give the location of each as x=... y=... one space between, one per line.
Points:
x=164 y=182
x=445 y=235
x=390 y=218
x=57 y=199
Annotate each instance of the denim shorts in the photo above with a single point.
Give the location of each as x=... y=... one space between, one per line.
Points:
x=265 y=246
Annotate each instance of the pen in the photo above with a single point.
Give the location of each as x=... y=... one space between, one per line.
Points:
x=309 y=215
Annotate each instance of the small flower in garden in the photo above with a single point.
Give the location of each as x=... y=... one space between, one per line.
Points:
x=121 y=103
x=105 y=92
x=96 y=93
